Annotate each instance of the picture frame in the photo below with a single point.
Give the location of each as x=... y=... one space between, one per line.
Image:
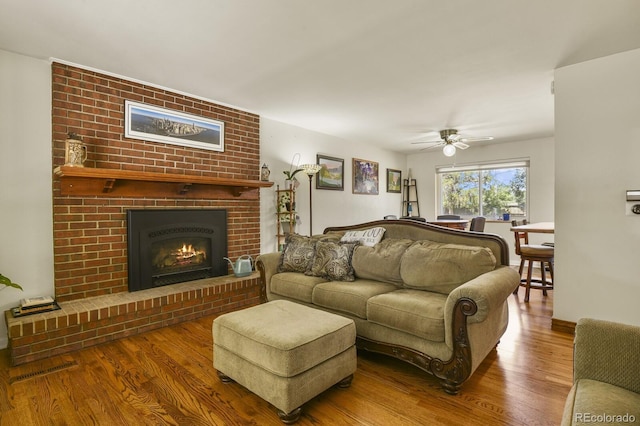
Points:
x=394 y=180
x=331 y=175
x=152 y=123
x=365 y=177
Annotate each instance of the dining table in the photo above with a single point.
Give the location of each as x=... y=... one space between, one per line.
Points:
x=538 y=227
x=450 y=223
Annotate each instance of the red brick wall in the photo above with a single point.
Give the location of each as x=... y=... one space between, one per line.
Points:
x=90 y=232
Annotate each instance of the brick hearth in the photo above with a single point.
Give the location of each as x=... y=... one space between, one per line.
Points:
x=91 y=321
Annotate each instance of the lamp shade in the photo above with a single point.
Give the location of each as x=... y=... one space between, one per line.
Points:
x=449 y=150
x=311 y=169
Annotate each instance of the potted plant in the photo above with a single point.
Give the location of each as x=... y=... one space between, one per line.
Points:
x=290 y=178
x=6 y=281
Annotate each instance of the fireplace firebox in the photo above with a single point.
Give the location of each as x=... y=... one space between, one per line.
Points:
x=175 y=245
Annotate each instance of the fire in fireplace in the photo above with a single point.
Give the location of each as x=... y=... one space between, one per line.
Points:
x=179 y=254
x=176 y=245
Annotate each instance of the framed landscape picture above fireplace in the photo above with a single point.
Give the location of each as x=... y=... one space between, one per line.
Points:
x=151 y=123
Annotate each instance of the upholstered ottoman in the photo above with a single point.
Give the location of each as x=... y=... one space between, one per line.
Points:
x=284 y=352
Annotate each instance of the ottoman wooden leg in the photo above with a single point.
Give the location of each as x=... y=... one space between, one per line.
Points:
x=345 y=383
x=289 y=418
x=224 y=378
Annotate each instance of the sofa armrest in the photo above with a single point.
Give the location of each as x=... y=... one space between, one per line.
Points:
x=489 y=292
x=267 y=264
x=607 y=352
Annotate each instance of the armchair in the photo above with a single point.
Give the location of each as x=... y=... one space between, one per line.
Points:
x=606 y=370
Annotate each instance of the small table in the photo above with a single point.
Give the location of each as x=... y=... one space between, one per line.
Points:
x=539 y=227
x=450 y=223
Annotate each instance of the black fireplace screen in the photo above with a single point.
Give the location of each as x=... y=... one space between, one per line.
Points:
x=172 y=246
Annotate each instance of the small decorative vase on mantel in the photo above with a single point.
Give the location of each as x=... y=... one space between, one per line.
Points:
x=75 y=151
x=264 y=173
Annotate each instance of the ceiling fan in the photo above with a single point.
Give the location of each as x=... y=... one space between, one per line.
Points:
x=450 y=140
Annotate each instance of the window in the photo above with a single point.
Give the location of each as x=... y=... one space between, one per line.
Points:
x=487 y=190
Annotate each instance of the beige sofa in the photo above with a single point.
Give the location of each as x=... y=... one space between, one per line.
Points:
x=606 y=374
x=431 y=296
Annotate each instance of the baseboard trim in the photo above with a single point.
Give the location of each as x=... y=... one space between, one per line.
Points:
x=563 y=326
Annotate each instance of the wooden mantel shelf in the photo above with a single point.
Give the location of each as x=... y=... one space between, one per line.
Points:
x=127 y=183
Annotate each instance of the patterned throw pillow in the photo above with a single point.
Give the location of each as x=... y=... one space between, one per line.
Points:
x=333 y=261
x=297 y=254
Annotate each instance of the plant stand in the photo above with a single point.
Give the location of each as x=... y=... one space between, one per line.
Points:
x=410 y=204
x=285 y=215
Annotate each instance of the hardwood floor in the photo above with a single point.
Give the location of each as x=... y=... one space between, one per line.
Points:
x=167 y=377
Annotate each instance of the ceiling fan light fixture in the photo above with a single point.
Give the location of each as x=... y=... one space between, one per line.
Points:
x=449 y=150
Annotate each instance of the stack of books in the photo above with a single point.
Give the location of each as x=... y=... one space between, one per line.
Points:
x=35 y=305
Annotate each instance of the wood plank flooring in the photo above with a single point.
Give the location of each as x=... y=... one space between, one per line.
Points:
x=166 y=377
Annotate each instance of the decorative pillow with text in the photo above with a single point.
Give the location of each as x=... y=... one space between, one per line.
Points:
x=367 y=237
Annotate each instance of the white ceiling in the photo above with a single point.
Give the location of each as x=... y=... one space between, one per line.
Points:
x=384 y=72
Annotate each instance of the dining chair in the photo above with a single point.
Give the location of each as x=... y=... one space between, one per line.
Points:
x=532 y=253
x=448 y=217
x=521 y=238
x=477 y=224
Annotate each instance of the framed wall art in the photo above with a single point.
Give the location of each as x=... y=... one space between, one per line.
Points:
x=331 y=175
x=151 y=123
x=394 y=179
x=365 y=177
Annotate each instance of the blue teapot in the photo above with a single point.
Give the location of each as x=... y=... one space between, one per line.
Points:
x=243 y=266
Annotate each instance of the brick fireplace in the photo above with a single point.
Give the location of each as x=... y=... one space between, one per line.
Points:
x=90 y=231
x=90 y=225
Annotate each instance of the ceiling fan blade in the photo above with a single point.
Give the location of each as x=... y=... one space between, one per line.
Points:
x=421 y=142
x=460 y=145
x=451 y=136
x=478 y=139
x=434 y=146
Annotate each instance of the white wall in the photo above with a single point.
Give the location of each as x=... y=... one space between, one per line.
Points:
x=540 y=153
x=597 y=107
x=280 y=141
x=26 y=225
